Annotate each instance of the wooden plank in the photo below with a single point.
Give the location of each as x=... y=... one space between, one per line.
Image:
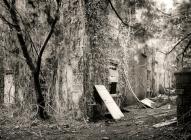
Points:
x=109 y=102
x=167 y=122
x=148 y=103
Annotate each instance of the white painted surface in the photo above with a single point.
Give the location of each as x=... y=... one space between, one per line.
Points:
x=109 y=102
x=167 y=122
x=148 y=102
x=113 y=75
x=9 y=89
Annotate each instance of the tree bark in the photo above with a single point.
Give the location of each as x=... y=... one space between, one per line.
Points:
x=35 y=68
x=39 y=97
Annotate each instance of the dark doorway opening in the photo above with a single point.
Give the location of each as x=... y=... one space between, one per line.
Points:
x=113 y=88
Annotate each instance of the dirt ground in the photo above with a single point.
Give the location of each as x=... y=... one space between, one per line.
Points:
x=136 y=125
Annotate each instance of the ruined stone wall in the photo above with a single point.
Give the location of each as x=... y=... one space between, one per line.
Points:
x=92 y=35
x=118 y=41
x=87 y=36
x=69 y=55
x=109 y=35
x=96 y=56
x=1 y=78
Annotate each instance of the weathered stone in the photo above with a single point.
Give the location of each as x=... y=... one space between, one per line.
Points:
x=1 y=79
x=88 y=35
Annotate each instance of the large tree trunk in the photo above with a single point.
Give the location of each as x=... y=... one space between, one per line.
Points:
x=40 y=98
x=17 y=24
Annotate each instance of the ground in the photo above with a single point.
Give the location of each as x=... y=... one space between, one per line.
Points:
x=136 y=125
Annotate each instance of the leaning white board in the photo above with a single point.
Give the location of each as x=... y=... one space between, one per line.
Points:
x=109 y=102
x=148 y=103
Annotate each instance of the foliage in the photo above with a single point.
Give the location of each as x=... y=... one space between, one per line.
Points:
x=180 y=23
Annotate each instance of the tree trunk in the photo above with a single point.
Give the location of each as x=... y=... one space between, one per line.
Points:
x=40 y=98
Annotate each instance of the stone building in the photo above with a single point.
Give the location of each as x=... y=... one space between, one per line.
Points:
x=89 y=35
x=1 y=79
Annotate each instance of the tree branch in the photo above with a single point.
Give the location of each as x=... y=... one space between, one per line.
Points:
x=11 y=25
x=119 y=17
x=185 y=49
x=178 y=43
x=7 y=4
x=32 y=43
x=48 y=38
x=11 y=7
x=165 y=14
x=187 y=46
